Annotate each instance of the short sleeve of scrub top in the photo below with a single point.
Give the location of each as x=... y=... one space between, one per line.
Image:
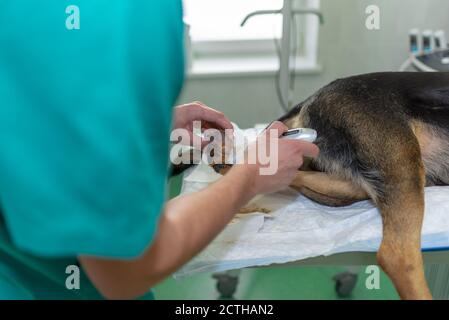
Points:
x=85 y=116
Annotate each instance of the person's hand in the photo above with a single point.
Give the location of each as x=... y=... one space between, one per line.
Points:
x=290 y=159
x=186 y=114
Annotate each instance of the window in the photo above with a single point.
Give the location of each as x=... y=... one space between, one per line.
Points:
x=218 y=43
x=219 y=20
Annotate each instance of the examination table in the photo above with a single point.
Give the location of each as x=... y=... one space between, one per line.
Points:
x=300 y=232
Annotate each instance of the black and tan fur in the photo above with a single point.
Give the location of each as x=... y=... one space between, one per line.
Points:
x=382 y=136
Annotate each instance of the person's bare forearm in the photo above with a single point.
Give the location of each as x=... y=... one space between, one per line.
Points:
x=190 y=222
x=205 y=214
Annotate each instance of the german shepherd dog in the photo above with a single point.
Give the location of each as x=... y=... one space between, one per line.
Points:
x=384 y=137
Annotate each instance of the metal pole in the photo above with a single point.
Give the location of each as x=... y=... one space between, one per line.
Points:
x=284 y=77
x=288 y=12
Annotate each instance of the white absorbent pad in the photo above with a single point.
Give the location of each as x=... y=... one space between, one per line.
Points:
x=299 y=228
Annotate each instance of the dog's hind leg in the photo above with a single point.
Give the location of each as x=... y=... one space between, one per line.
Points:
x=399 y=195
x=398 y=192
x=326 y=189
x=402 y=209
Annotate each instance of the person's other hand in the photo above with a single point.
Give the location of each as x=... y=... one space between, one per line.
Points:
x=290 y=159
x=186 y=114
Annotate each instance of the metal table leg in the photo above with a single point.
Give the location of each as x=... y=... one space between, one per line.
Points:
x=227 y=283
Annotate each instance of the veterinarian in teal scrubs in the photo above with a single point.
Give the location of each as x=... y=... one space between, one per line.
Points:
x=77 y=129
x=85 y=117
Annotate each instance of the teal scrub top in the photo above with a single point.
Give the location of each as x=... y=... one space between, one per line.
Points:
x=85 y=116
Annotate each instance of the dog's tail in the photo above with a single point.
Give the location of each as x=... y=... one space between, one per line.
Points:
x=430 y=102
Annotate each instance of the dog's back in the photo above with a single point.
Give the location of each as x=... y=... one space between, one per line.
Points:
x=351 y=110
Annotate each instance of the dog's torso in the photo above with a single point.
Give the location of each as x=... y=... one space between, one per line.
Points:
x=362 y=117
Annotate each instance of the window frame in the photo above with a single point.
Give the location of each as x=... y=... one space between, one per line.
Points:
x=206 y=52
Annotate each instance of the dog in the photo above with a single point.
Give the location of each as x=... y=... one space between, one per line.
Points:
x=384 y=137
